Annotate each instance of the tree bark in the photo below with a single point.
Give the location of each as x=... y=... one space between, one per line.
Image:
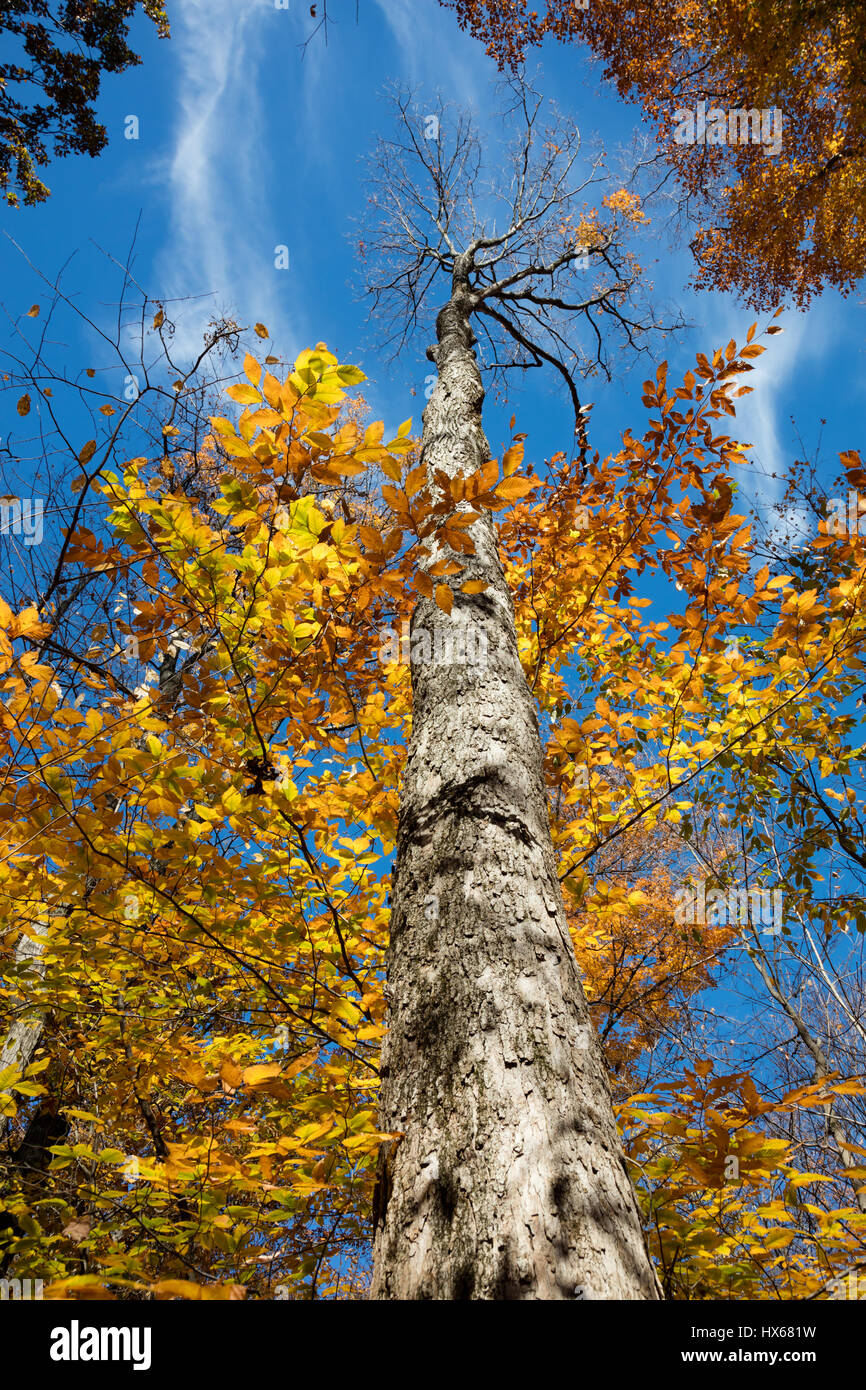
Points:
x=508 y=1181
x=24 y=1033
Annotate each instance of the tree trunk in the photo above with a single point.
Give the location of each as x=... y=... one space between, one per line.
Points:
x=24 y=1033
x=508 y=1181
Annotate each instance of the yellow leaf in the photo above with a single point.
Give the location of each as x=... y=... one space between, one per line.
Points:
x=253 y=1076
x=231 y=1074
x=244 y=395
x=444 y=598
x=252 y=370
x=27 y=624
x=185 y=1288
x=262 y=331
x=474 y=586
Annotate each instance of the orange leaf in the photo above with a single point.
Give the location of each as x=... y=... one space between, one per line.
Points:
x=513 y=488
x=512 y=459
x=415 y=480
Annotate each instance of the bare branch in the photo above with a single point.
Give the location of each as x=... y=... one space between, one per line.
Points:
x=535 y=259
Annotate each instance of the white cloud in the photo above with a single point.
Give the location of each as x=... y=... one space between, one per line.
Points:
x=219 y=241
x=759 y=419
x=434 y=51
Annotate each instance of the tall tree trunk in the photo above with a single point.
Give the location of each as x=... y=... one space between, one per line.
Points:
x=508 y=1181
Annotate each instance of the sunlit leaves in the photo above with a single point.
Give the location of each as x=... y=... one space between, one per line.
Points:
x=214 y=992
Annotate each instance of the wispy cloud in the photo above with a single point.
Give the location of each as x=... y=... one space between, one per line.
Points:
x=219 y=242
x=767 y=418
x=759 y=421
x=434 y=52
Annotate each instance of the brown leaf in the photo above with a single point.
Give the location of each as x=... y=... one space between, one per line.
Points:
x=79 y=1229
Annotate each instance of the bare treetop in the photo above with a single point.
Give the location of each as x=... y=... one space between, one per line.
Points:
x=545 y=278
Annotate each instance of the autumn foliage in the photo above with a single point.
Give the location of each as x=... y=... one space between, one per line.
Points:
x=205 y=859
x=771 y=224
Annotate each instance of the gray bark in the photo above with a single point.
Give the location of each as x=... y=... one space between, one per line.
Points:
x=22 y=1039
x=508 y=1181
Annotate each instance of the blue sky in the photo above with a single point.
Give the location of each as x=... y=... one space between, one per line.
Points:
x=246 y=143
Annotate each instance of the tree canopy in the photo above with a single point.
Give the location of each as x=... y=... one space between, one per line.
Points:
x=47 y=94
x=200 y=807
x=774 y=222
